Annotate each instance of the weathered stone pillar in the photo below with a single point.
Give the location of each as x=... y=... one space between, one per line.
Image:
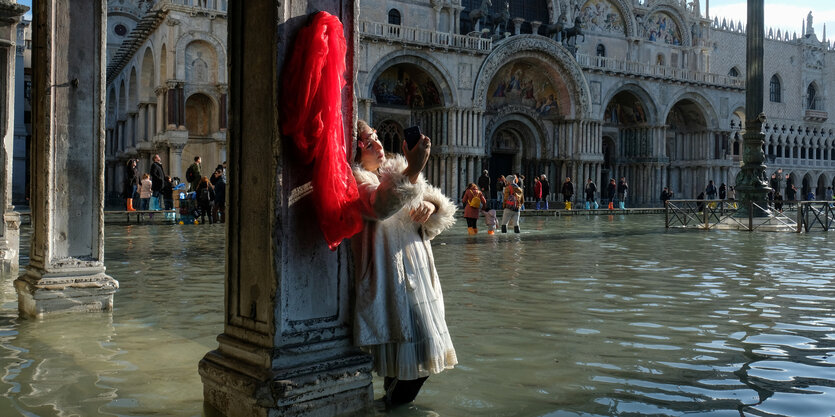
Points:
x=286 y=347
x=66 y=267
x=171 y=120
x=10 y=14
x=181 y=107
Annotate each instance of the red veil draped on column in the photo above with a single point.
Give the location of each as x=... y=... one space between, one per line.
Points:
x=312 y=109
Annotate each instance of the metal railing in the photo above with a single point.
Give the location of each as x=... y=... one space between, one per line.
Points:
x=425 y=37
x=713 y=214
x=815 y=215
x=657 y=71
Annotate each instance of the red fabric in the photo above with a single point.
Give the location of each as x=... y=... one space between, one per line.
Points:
x=537 y=189
x=312 y=109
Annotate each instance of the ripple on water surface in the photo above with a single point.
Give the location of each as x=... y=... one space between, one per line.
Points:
x=581 y=316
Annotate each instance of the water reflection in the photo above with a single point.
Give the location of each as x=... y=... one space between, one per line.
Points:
x=583 y=316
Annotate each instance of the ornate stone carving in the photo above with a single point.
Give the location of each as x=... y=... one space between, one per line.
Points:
x=542 y=49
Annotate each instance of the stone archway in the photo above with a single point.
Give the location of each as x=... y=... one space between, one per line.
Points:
x=515 y=147
x=806 y=187
x=636 y=146
x=820 y=190
x=199 y=111
x=691 y=147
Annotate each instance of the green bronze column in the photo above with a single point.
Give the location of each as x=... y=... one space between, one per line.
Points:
x=751 y=183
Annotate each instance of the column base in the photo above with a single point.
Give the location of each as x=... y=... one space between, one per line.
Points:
x=75 y=290
x=330 y=387
x=10 y=245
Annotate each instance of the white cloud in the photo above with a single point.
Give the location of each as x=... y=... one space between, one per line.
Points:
x=785 y=17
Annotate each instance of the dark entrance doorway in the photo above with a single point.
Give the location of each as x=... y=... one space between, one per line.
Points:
x=500 y=164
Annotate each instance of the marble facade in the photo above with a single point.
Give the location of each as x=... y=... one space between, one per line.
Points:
x=654 y=92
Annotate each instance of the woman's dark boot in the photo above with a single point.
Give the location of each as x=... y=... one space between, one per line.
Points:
x=399 y=392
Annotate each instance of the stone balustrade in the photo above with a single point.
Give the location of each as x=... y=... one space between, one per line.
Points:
x=605 y=64
x=424 y=37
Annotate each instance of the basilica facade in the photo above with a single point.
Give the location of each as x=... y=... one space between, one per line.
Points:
x=166 y=86
x=649 y=90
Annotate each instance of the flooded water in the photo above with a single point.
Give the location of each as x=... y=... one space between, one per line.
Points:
x=577 y=316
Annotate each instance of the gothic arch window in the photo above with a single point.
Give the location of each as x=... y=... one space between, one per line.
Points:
x=733 y=72
x=394 y=17
x=659 y=60
x=601 y=50
x=390 y=133
x=774 y=89
x=811 y=97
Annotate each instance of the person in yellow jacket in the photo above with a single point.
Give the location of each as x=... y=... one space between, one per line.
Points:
x=513 y=198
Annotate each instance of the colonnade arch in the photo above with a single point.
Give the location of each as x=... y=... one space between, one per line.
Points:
x=634 y=145
x=690 y=149
x=515 y=145
x=200 y=109
x=148 y=77
x=426 y=63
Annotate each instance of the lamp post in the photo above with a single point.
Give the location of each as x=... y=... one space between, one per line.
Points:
x=751 y=182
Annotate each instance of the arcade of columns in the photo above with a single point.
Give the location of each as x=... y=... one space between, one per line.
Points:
x=696 y=157
x=155 y=127
x=279 y=353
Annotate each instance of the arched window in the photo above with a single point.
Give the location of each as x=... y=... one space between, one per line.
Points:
x=733 y=72
x=811 y=97
x=659 y=60
x=774 y=89
x=601 y=50
x=394 y=17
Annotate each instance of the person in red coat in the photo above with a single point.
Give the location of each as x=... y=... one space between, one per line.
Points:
x=537 y=191
x=474 y=201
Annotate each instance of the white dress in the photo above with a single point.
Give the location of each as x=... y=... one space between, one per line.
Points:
x=399 y=312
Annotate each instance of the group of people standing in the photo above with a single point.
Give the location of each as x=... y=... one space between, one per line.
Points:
x=155 y=191
x=152 y=191
x=510 y=197
x=210 y=192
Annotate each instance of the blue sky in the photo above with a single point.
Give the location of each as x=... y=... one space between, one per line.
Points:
x=779 y=14
x=28 y=3
x=784 y=15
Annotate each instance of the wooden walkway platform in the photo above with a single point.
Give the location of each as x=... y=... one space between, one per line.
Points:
x=158 y=217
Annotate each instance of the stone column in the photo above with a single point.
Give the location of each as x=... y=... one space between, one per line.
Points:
x=66 y=269
x=443 y=177
x=181 y=107
x=161 y=109
x=171 y=121
x=517 y=25
x=286 y=347
x=175 y=160
x=141 y=123
x=10 y=14
x=751 y=183
x=471 y=177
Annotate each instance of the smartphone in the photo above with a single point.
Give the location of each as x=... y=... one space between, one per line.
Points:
x=412 y=136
